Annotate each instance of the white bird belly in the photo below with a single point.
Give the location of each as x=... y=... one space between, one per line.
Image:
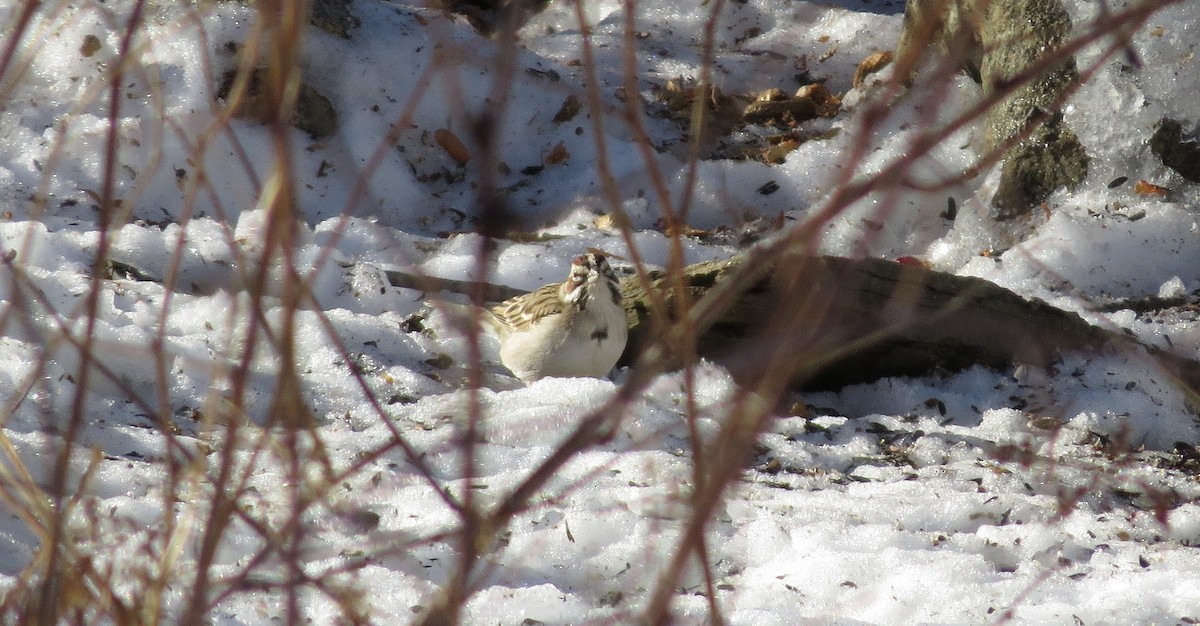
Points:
x=590 y=348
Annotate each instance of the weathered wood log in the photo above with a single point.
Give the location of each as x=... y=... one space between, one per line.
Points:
x=491 y=292
x=871 y=318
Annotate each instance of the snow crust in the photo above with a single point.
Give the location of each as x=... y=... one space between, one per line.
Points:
x=891 y=503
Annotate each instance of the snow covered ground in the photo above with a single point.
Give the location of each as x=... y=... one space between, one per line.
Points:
x=936 y=500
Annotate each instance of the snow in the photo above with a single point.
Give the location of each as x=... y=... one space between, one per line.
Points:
x=984 y=496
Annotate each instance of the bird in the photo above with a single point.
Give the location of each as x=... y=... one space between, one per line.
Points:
x=576 y=328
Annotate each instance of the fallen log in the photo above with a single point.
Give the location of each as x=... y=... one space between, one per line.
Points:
x=866 y=319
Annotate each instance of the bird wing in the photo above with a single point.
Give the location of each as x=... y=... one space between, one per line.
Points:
x=520 y=312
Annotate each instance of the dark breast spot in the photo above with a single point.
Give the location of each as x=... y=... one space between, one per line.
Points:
x=600 y=334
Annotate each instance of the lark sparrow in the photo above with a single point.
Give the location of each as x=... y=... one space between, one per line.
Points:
x=573 y=328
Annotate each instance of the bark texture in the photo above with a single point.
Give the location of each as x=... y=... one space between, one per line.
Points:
x=846 y=321
x=1002 y=42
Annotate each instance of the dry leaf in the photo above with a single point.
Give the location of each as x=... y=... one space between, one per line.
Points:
x=452 y=145
x=569 y=109
x=870 y=65
x=557 y=155
x=818 y=93
x=777 y=151
x=774 y=94
x=1145 y=188
x=613 y=221
x=91 y=45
